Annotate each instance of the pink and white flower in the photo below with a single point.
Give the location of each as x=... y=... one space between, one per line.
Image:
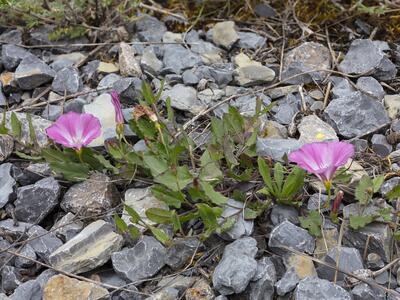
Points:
x=75 y=130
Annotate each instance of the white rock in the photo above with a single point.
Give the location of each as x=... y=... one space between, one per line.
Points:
x=128 y=64
x=392 y=104
x=224 y=34
x=313 y=129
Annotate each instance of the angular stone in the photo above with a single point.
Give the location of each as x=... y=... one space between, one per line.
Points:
x=184 y=98
x=12 y=55
x=371 y=86
x=318 y=202
x=7 y=184
x=142 y=261
x=276 y=148
x=355 y=115
x=33 y=289
x=313 y=288
x=380 y=145
x=279 y=92
x=10 y=278
x=33 y=72
x=128 y=64
x=371 y=209
x=150 y=28
x=287 y=283
x=177 y=58
x=280 y=213
x=224 y=34
x=201 y=290
x=347 y=259
x=52 y=112
x=39 y=124
x=262 y=285
x=181 y=251
x=392 y=104
x=167 y=293
x=250 y=40
x=242 y=227
x=67 y=80
x=375 y=262
x=307 y=57
x=67 y=227
x=128 y=89
x=28 y=262
x=42 y=241
x=108 y=81
x=209 y=53
x=35 y=202
x=389 y=185
x=150 y=62
x=91 y=197
x=313 y=129
x=237 y=267
x=273 y=129
x=141 y=199
x=12 y=37
x=341 y=87
x=291 y=236
x=363 y=291
x=107 y=67
x=91 y=248
x=366 y=57
x=379 y=237
x=250 y=72
x=66 y=288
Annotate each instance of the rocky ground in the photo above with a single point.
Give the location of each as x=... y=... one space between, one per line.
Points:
x=58 y=239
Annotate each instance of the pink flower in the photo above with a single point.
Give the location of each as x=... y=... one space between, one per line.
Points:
x=74 y=130
x=119 y=117
x=322 y=159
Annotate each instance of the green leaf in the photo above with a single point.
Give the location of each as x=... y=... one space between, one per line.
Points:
x=377 y=182
x=160 y=234
x=278 y=176
x=364 y=190
x=217 y=129
x=293 y=183
x=175 y=182
x=135 y=217
x=171 y=198
x=312 y=223
x=121 y=225
x=210 y=170
x=386 y=214
x=215 y=197
x=159 y=215
x=3 y=128
x=357 y=222
x=208 y=216
x=134 y=232
x=70 y=170
x=176 y=223
x=226 y=225
x=394 y=193
x=250 y=214
x=170 y=111
x=16 y=126
x=106 y=163
x=32 y=133
x=396 y=235
x=26 y=156
x=156 y=165
x=265 y=173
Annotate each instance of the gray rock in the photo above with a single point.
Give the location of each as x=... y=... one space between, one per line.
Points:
x=128 y=89
x=247 y=104
x=356 y=209
x=42 y=241
x=291 y=236
x=355 y=115
x=190 y=78
x=319 y=202
x=242 y=227
x=380 y=145
x=7 y=184
x=307 y=57
x=201 y=290
x=3 y=99
x=237 y=267
x=182 y=251
x=33 y=72
x=10 y=278
x=28 y=252
x=360 y=145
x=167 y=293
x=33 y=289
x=279 y=92
x=313 y=129
x=389 y=185
x=371 y=86
x=276 y=148
x=250 y=40
x=264 y=10
x=287 y=283
x=108 y=81
x=374 y=261
x=35 y=202
x=285 y=112
x=177 y=58
x=92 y=197
x=348 y=259
x=128 y=64
x=253 y=74
x=262 y=285
x=11 y=37
x=379 y=239
x=5 y=257
x=363 y=291
x=184 y=98
x=12 y=55
x=222 y=297
x=341 y=87
x=208 y=96
x=224 y=34
x=280 y=213
x=67 y=227
x=222 y=75
x=142 y=261
x=367 y=57
x=150 y=62
x=67 y=80
x=91 y=248
x=208 y=52
x=313 y=288
x=14 y=229
x=149 y=28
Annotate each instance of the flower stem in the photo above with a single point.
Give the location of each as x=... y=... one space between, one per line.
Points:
x=79 y=152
